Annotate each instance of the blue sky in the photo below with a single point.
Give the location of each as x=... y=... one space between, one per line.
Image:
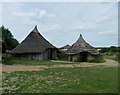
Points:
x=62 y=23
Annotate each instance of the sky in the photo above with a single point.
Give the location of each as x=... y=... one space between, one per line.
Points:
x=61 y=23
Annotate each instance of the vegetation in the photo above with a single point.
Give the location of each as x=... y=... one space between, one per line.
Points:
x=111 y=53
x=97 y=79
x=112 y=57
x=110 y=50
x=62 y=80
x=22 y=61
x=99 y=59
x=117 y=58
x=4 y=47
x=62 y=56
x=8 y=38
x=9 y=60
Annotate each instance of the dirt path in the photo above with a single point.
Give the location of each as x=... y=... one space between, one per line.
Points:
x=110 y=63
x=12 y=68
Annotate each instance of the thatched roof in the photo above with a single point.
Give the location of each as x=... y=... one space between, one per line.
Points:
x=65 y=47
x=33 y=43
x=81 y=46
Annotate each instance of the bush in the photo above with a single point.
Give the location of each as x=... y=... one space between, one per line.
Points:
x=62 y=56
x=99 y=59
x=117 y=58
x=6 y=58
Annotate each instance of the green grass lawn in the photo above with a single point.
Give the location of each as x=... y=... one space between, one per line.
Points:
x=63 y=80
x=22 y=61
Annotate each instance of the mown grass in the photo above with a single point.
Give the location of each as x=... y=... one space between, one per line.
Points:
x=63 y=80
x=23 y=61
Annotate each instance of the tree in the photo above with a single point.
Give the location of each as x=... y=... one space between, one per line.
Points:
x=4 y=47
x=8 y=38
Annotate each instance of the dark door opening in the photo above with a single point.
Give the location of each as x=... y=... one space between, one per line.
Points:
x=50 y=54
x=83 y=56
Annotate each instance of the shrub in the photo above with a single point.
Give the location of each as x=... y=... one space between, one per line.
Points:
x=6 y=58
x=99 y=59
x=117 y=58
x=62 y=56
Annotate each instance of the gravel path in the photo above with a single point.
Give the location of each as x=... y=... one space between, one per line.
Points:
x=12 y=68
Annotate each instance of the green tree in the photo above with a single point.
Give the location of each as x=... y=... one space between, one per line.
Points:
x=4 y=47
x=8 y=38
x=113 y=49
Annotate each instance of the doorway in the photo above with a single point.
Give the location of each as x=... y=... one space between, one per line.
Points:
x=51 y=54
x=83 y=56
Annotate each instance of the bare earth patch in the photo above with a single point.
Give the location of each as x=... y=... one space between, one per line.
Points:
x=109 y=63
x=12 y=68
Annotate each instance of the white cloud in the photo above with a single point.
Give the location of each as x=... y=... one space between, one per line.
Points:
x=80 y=27
x=44 y=13
x=34 y=12
x=106 y=18
x=108 y=32
x=62 y=23
x=103 y=19
x=51 y=15
x=28 y=21
x=23 y=14
x=101 y=13
x=83 y=27
x=47 y=28
x=12 y=7
x=32 y=16
x=98 y=15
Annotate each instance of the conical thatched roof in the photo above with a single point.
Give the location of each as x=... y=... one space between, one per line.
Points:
x=80 y=46
x=65 y=47
x=33 y=43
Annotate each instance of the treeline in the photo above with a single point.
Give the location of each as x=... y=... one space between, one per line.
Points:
x=111 y=49
x=7 y=39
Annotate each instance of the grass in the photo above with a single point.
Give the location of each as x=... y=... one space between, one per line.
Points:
x=0 y=84
x=63 y=80
x=112 y=57
x=98 y=59
x=117 y=58
x=23 y=61
x=108 y=56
